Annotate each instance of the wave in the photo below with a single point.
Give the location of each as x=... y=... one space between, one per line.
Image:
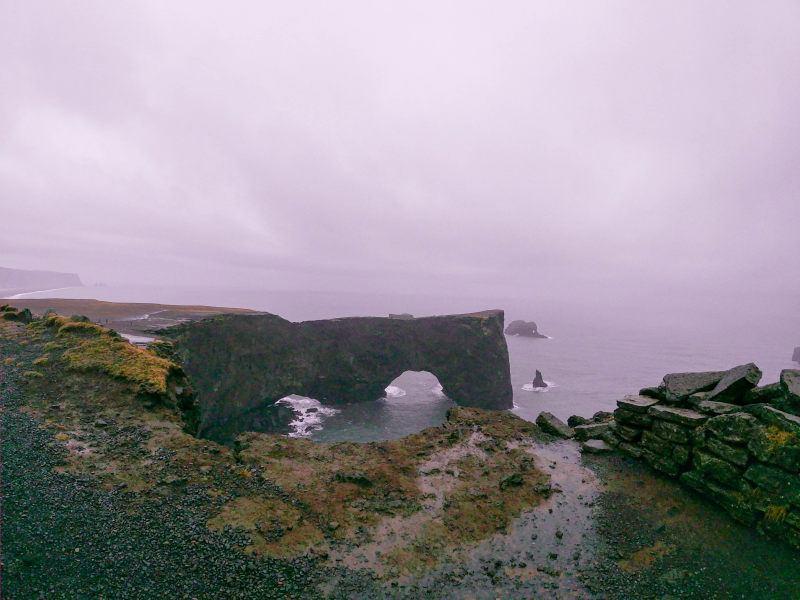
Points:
x=528 y=387
x=309 y=414
x=393 y=391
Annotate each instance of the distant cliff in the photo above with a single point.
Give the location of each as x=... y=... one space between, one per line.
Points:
x=796 y=355
x=241 y=364
x=20 y=280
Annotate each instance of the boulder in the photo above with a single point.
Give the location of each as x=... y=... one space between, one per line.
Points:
x=736 y=382
x=551 y=424
x=602 y=416
x=665 y=464
x=538 y=380
x=631 y=450
x=775 y=417
x=524 y=329
x=576 y=420
x=595 y=447
x=679 y=386
x=776 y=446
x=790 y=383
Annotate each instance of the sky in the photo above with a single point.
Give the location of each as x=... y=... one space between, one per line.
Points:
x=600 y=148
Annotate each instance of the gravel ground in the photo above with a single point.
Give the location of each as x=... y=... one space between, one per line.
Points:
x=64 y=538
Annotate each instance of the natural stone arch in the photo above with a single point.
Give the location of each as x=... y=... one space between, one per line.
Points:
x=244 y=363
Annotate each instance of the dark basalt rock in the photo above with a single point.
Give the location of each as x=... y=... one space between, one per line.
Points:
x=737 y=381
x=241 y=364
x=551 y=424
x=524 y=329
x=538 y=380
x=679 y=386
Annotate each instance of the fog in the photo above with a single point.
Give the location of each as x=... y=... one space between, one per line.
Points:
x=624 y=151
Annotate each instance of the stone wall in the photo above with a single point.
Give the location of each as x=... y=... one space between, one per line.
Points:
x=725 y=438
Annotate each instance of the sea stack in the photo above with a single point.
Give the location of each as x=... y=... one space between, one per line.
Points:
x=538 y=381
x=796 y=355
x=524 y=329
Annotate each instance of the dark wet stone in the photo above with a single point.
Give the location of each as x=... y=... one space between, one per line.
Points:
x=681 y=454
x=661 y=463
x=637 y=404
x=775 y=480
x=733 y=502
x=595 y=447
x=653 y=392
x=682 y=416
x=733 y=454
x=679 y=386
x=524 y=329
x=633 y=418
x=551 y=424
x=627 y=433
x=630 y=449
x=764 y=394
x=736 y=428
x=575 y=420
x=709 y=407
x=720 y=470
x=671 y=431
x=656 y=444
x=591 y=431
x=736 y=382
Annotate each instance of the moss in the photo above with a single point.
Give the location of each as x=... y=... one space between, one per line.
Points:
x=42 y=360
x=777 y=438
x=61 y=437
x=32 y=375
x=776 y=513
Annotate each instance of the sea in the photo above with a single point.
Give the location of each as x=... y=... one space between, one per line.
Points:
x=596 y=352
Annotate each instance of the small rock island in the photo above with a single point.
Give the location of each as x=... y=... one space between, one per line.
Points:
x=524 y=329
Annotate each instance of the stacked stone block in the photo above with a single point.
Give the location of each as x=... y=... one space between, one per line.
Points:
x=733 y=442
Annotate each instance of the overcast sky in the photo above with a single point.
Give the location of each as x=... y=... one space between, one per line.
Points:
x=579 y=147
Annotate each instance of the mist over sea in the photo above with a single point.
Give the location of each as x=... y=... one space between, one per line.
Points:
x=598 y=352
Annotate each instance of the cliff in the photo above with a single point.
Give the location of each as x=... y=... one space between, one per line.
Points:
x=241 y=364
x=20 y=280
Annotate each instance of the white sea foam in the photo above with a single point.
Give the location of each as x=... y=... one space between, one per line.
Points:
x=528 y=387
x=395 y=392
x=309 y=413
x=438 y=391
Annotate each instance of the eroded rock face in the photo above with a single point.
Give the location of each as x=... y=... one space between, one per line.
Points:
x=241 y=364
x=796 y=354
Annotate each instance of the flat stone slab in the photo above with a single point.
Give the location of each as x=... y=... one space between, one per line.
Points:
x=772 y=416
x=638 y=404
x=790 y=381
x=682 y=416
x=595 y=447
x=716 y=408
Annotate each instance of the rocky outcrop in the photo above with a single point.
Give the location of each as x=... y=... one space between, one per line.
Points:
x=241 y=365
x=524 y=329
x=538 y=380
x=796 y=354
x=736 y=444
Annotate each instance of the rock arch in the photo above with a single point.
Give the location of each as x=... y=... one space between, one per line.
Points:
x=241 y=364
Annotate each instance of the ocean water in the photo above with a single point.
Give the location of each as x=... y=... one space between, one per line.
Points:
x=595 y=354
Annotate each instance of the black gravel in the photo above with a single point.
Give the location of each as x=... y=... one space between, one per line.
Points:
x=63 y=537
